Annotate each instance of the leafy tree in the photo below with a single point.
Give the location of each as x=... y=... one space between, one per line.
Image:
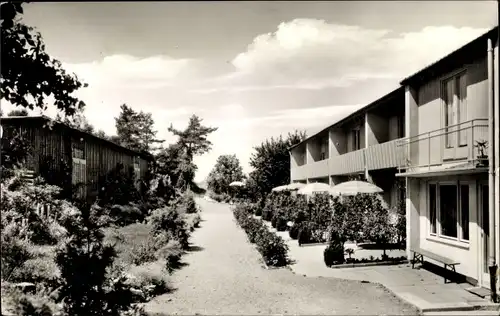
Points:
x=15 y=149
x=135 y=129
x=29 y=75
x=192 y=141
x=194 y=138
x=20 y=112
x=226 y=170
x=77 y=121
x=271 y=161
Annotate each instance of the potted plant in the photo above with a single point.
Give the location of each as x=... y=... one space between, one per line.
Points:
x=482 y=157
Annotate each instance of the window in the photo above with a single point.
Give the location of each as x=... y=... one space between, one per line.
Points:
x=449 y=210
x=78 y=149
x=324 y=148
x=401 y=126
x=455 y=109
x=432 y=208
x=464 y=207
x=356 y=133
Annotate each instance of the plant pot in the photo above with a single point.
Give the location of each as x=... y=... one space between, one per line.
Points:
x=482 y=161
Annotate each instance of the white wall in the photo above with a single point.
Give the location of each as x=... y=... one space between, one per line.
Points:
x=465 y=253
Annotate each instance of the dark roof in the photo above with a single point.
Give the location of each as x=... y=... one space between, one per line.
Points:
x=464 y=54
x=399 y=91
x=144 y=155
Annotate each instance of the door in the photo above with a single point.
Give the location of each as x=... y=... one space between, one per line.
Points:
x=484 y=235
x=456 y=128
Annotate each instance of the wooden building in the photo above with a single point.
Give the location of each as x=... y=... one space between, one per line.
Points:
x=64 y=155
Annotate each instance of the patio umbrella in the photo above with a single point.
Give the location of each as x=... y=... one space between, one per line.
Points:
x=295 y=186
x=355 y=187
x=236 y=184
x=279 y=188
x=316 y=187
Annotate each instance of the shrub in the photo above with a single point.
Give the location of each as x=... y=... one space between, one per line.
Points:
x=305 y=234
x=272 y=248
x=258 y=211
x=266 y=214
x=274 y=221
x=334 y=253
x=281 y=224
x=86 y=286
x=15 y=252
x=123 y=215
x=294 y=231
x=168 y=220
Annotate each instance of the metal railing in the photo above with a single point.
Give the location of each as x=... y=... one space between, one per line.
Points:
x=451 y=144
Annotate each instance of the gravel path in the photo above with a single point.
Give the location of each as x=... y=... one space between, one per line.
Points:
x=225 y=276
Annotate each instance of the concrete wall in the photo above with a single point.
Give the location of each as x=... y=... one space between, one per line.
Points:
x=430 y=114
x=376 y=129
x=338 y=142
x=461 y=251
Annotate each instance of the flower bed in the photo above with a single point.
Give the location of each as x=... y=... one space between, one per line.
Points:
x=364 y=262
x=273 y=248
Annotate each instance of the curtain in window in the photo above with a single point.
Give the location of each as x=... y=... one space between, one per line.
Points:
x=462 y=107
x=449 y=112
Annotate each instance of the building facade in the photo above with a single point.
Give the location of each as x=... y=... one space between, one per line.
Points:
x=450 y=151
x=363 y=144
x=65 y=155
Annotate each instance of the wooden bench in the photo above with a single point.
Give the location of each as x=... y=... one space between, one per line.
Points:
x=419 y=254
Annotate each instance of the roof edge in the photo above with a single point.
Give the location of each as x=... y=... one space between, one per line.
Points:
x=47 y=118
x=382 y=99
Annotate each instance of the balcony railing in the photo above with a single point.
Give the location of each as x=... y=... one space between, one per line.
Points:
x=381 y=156
x=452 y=144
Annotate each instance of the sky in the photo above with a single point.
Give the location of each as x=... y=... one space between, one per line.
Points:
x=254 y=69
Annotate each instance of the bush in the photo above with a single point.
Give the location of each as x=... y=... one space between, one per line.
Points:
x=334 y=253
x=168 y=220
x=272 y=248
x=274 y=221
x=305 y=234
x=281 y=224
x=266 y=214
x=258 y=211
x=124 y=215
x=294 y=231
x=15 y=252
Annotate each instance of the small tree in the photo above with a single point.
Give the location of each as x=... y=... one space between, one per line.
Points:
x=87 y=288
x=376 y=222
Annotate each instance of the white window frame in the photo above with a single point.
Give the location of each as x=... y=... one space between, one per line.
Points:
x=438 y=235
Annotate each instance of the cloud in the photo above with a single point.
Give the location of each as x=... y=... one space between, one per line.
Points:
x=303 y=75
x=310 y=53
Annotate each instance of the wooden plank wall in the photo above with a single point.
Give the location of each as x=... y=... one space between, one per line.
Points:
x=54 y=146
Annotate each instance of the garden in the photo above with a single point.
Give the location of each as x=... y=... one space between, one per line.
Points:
x=102 y=258
x=361 y=220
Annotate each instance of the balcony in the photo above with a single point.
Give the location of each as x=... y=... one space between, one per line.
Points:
x=351 y=162
x=385 y=155
x=382 y=156
x=451 y=146
x=299 y=173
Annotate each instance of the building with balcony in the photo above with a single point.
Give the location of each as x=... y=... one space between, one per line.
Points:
x=451 y=199
x=362 y=144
